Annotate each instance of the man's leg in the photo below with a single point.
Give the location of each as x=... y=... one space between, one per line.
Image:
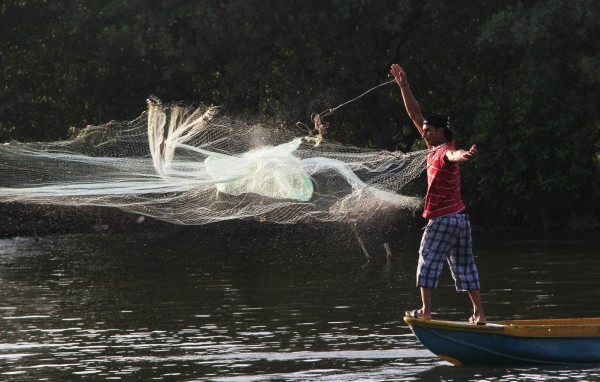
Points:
x=426 y=297
x=435 y=244
x=464 y=270
x=475 y=297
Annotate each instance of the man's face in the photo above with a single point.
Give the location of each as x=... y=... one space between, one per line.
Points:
x=433 y=136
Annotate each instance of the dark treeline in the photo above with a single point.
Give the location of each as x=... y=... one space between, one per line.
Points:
x=520 y=79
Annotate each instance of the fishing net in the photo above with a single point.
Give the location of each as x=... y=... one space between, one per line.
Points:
x=194 y=166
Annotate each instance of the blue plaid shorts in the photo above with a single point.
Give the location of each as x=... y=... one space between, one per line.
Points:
x=447 y=238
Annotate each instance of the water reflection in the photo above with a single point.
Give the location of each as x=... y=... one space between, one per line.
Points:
x=219 y=307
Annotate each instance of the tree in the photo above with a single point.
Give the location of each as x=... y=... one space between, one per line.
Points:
x=537 y=115
x=516 y=78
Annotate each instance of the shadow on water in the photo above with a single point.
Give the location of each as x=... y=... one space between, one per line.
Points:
x=263 y=304
x=509 y=374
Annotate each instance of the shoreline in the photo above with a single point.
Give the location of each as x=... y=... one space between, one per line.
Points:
x=18 y=220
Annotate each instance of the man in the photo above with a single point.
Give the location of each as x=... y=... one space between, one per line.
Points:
x=447 y=235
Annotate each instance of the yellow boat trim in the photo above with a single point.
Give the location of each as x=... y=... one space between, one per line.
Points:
x=549 y=328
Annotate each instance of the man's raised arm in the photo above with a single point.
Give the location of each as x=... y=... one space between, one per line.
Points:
x=412 y=106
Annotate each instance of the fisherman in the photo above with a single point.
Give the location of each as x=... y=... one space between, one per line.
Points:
x=447 y=236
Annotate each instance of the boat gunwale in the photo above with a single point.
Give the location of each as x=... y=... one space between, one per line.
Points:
x=545 y=328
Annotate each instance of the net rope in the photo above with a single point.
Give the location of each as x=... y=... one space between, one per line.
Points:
x=195 y=166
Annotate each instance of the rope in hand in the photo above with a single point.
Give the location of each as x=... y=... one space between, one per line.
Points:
x=320 y=125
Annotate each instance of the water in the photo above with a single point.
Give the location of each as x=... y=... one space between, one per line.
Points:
x=265 y=305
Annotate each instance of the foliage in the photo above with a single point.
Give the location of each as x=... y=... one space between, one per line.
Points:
x=518 y=79
x=540 y=122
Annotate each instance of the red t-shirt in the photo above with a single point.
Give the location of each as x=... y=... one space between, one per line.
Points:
x=443 y=184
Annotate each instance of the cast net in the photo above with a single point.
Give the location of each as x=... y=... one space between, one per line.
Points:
x=193 y=166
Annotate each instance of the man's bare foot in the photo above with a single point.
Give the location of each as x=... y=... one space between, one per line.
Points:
x=417 y=313
x=477 y=320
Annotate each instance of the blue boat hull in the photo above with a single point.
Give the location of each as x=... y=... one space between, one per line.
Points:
x=464 y=344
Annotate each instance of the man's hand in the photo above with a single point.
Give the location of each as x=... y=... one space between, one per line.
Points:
x=462 y=155
x=471 y=154
x=400 y=75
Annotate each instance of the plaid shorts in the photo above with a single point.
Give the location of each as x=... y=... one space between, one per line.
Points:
x=447 y=238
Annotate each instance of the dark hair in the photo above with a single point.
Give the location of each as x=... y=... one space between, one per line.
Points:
x=440 y=121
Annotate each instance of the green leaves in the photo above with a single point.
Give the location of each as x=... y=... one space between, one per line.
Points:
x=519 y=79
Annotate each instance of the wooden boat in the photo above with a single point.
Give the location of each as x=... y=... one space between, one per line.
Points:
x=551 y=341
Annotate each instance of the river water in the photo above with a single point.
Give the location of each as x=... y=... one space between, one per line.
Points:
x=258 y=305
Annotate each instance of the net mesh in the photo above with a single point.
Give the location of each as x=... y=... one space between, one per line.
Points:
x=194 y=166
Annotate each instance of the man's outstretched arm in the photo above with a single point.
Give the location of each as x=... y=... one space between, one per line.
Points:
x=412 y=106
x=461 y=155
